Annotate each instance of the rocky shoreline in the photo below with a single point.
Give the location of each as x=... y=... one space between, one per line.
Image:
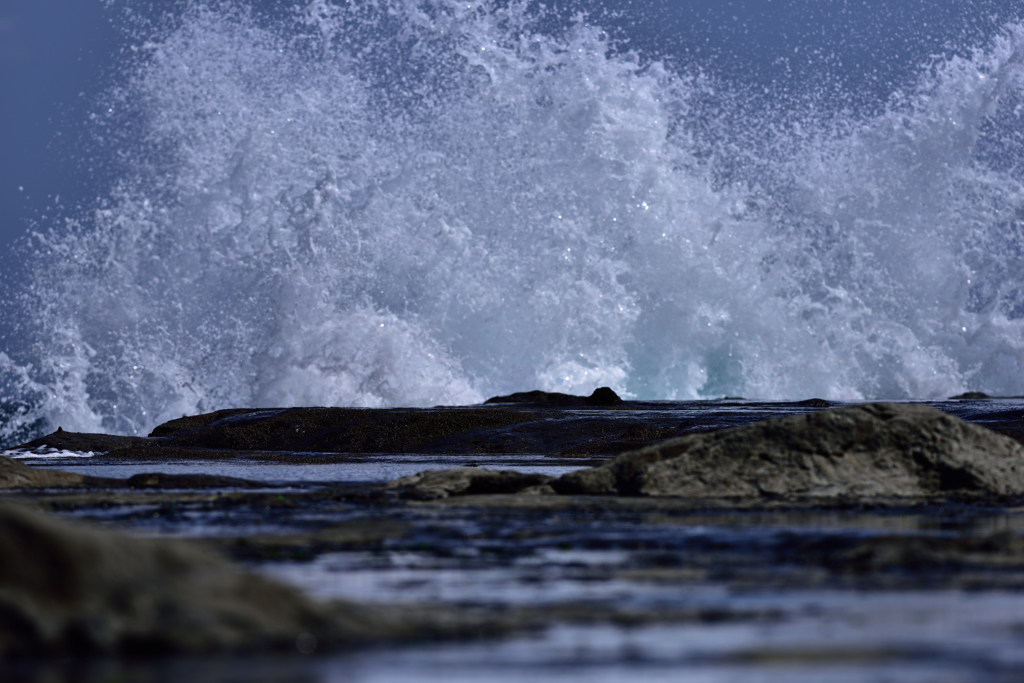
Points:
x=899 y=469
x=846 y=452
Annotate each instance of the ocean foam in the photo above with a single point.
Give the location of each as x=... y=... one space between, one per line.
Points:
x=429 y=202
x=44 y=453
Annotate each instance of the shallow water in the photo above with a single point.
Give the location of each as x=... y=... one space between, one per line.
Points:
x=780 y=633
x=376 y=468
x=755 y=618
x=822 y=636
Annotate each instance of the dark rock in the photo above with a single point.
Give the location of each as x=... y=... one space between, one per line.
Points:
x=466 y=481
x=529 y=427
x=194 y=422
x=259 y=434
x=865 y=450
x=968 y=395
x=341 y=430
x=499 y=428
x=602 y=397
x=84 y=443
x=814 y=403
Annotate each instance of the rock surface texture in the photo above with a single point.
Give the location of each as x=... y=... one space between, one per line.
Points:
x=467 y=481
x=869 y=450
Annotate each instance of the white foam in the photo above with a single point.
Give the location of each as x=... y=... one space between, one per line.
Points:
x=44 y=453
x=429 y=203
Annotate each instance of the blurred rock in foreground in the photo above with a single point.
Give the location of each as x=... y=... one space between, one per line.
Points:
x=15 y=475
x=68 y=588
x=71 y=588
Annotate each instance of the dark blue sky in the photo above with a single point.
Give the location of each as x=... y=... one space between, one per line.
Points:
x=53 y=54
x=56 y=55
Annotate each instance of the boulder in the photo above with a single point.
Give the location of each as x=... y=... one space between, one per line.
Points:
x=466 y=481
x=868 y=450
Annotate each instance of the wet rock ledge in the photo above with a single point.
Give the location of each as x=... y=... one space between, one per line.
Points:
x=598 y=425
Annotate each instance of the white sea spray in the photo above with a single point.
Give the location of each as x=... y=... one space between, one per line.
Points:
x=429 y=202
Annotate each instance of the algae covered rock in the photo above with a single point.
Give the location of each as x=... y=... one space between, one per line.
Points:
x=869 y=450
x=465 y=481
